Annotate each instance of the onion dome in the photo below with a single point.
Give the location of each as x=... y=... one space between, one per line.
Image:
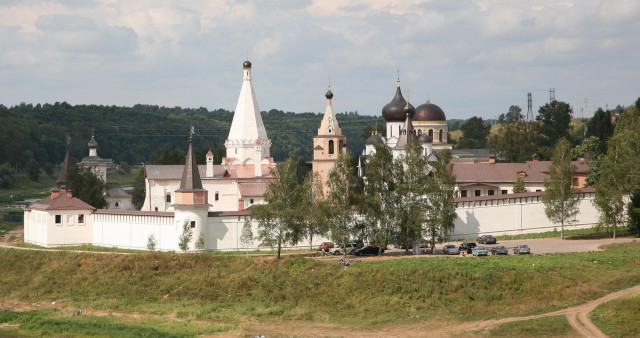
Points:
x=93 y=143
x=246 y=64
x=429 y=112
x=329 y=94
x=394 y=110
x=425 y=138
x=373 y=139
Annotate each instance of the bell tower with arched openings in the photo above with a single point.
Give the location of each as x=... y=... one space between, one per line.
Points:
x=329 y=144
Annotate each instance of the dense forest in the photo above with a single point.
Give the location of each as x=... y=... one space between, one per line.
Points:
x=131 y=134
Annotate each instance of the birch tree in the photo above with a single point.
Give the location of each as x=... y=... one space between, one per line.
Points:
x=560 y=198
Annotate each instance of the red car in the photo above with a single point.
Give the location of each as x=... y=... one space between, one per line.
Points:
x=325 y=246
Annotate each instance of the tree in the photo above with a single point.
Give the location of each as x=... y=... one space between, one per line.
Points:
x=474 y=133
x=560 y=198
x=33 y=170
x=379 y=196
x=151 y=243
x=412 y=193
x=185 y=237
x=600 y=127
x=163 y=155
x=200 y=243
x=515 y=142
x=441 y=211
x=590 y=149
x=313 y=206
x=246 y=237
x=6 y=176
x=513 y=115
x=633 y=213
x=341 y=183
x=518 y=185
x=139 y=191
x=554 y=118
x=85 y=184
x=279 y=220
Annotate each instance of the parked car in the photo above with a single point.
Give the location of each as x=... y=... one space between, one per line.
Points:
x=450 y=249
x=521 y=249
x=467 y=246
x=499 y=250
x=479 y=251
x=325 y=246
x=487 y=239
x=368 y=250
x=349 y=248
x=357 y=243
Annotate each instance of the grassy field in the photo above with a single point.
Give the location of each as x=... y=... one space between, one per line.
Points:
x=619 y=318
x=553 y=326
x=124 y=179
x=234 y=289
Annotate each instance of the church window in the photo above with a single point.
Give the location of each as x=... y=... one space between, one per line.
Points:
x=490 y=192
x=117 y=204
x=217 y=196
x=463 y=193
x=59 y=219
x=156 y=209
x=341 y=146
x=476 y=193
x=168 y=198
x=193 y=224
x=440 y=137
x=251 y=201
x=331 y=146
x=330 y=130
x=431 y=132
x=81 y=219
x=503 y=192
x=419 y=131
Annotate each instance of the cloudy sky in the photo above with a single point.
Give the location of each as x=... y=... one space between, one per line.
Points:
x=471 y=57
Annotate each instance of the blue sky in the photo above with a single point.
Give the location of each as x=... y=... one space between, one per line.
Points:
x=472 y=58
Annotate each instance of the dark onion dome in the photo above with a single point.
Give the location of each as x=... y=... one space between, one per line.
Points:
x=246 y=64
x=425 y=138
x=394 y=110
x=373 y=139
x=93 y=143
x=329 y=94
x=429 y=112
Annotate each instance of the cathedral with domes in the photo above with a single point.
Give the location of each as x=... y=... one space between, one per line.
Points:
x=426 y=124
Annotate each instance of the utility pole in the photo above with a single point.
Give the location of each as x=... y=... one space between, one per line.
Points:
x=530 y=108
x=552 y=95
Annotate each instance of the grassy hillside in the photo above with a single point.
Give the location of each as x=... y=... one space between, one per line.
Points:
x=234 y=288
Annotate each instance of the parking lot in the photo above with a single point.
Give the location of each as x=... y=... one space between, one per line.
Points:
x=537 y=246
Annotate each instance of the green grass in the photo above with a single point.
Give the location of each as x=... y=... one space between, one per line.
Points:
x=550 y=234
x=552 y=326
x=124 y=179
x=619 y=318
x=84 y=247
x=229 y=288
x=56 y=323
x=24 y=188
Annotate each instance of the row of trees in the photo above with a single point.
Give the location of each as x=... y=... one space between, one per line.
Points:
x=401 y=200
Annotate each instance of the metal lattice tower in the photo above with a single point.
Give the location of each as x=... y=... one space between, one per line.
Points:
x=552 y=95
x=530 y=108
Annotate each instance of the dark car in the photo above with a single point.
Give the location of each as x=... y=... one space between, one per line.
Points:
x=487 y=239
x=368 y=250
x=467 y=246
x=499 y=250
x=450 y=249
x=357 y=243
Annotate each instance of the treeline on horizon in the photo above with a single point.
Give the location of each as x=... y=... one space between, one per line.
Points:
x=132 y=134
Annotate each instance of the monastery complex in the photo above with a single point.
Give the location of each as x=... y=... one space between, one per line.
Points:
x=214 y=200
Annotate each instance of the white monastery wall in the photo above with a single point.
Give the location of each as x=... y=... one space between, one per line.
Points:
x=41 y=228
x=133 y=231
x=515 y=215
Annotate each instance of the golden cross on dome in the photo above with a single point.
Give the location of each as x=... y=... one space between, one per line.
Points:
x=409 y=91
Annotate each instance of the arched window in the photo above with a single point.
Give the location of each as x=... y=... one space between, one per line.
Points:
x=331 y=145
x=156 y=208
x=440 y=137
x=431 y=132
x=217 y=196
x=419 y=131
x=251 y=201
x=168 y=198
x=340 y=147
x=117 y=204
